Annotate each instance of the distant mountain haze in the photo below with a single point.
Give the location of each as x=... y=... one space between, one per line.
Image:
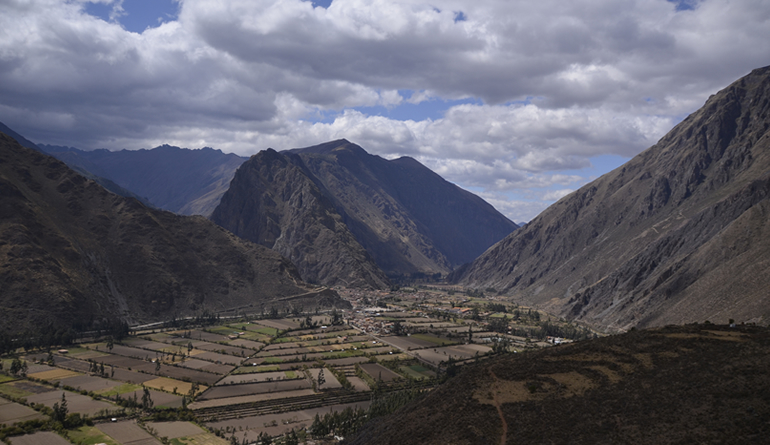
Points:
x=72 y=254
x=680 y=233
x=405 y=218
x=184 y=181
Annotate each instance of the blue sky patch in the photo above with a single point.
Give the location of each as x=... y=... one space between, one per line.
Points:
x=684 y=5
x=322 y=3
x=137 y=15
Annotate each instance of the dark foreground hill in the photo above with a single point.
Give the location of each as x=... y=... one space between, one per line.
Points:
x=674 y=385
x=184 y=181
x=407 y=218
x=680 y=233
x=73 y=254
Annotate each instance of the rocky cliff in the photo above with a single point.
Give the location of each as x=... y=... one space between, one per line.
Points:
x=680 y=233
x=274 y=203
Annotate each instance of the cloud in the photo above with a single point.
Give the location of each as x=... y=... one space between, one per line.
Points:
x=548 y=85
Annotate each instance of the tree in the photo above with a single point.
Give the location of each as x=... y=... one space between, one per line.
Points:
x=398 y=329
x=470 y=334
x=336 y=318
x=15 y=366
x=60 y=410
x=321 y=378
x=292 y=439
x=264 y=439
x=147 y=402
x=318 y=429
x=193 y=390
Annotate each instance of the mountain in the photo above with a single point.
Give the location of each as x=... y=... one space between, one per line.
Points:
x=673 y=385
x=680 y=233
x=73 y=254
x=274 y=203
x=407 y=218
x=104 y=182
x=184 y=181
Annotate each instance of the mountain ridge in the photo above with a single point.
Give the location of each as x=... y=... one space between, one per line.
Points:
x=640 y=246
x=181 y=180
x=74 y=255
x=404 y=217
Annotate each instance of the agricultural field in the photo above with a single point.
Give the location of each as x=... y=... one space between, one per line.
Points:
x=246 y=377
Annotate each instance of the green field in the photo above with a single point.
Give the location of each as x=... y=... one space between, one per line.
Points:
x=256 y=369
x=121 y=389
x=6 y=378
x=89 y=435
x=432 y=339
x=267 y=331
x=7 y=389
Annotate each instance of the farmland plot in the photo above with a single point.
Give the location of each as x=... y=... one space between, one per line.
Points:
x=77 y=403
x=90 y=383
x=42 y=437
x=219 y=392
x=11 y=412
x=280 y=423
x=379 y=372
x=128 y=433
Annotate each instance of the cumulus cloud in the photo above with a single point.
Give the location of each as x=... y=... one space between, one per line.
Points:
x=534 y=90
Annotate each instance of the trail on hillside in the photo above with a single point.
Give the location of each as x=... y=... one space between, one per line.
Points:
x=499 y=407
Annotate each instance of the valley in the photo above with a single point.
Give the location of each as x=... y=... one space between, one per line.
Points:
x=245 y=377
x=334 y=296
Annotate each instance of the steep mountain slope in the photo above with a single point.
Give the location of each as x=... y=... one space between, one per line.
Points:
x=675 y=385
x=680 y=233
x=274 y=203
x=72 y=254
x=184 y=181
x=406 y=216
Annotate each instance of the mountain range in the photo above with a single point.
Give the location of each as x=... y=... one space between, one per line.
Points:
x=73 y=254
x=680 y=233
x=183 y=181
x=335 y=203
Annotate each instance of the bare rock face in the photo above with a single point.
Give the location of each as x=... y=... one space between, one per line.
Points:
x=72 y=254
x=336 y=210
x=678 y=234
x=274 y=203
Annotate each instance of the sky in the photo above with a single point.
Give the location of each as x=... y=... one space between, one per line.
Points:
x=520 y=102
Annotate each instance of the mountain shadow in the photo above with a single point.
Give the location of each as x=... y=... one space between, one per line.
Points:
x=73 y=254
x=673 y=385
